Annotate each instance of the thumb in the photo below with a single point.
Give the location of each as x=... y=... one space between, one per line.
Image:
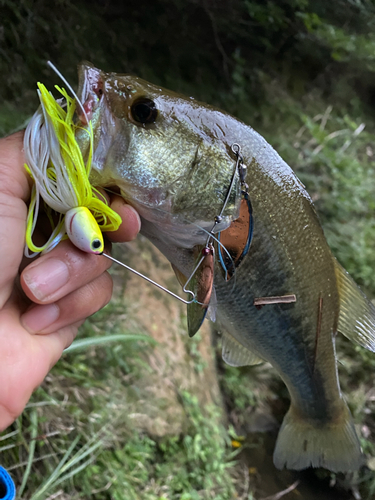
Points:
x=14 y=192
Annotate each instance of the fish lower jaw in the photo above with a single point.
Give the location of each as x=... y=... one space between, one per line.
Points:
x=160 y=224
x=172 y=236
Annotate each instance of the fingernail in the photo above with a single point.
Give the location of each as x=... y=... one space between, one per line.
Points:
x=136 y=216
x=39 y=318
x=46 y=278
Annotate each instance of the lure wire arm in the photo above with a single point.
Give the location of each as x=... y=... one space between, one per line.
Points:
x=53 y=67
x=191 y=277
x=241 y=168
x=152 y=281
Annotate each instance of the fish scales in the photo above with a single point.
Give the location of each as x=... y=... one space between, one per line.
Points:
x=172 y=160
x=291 y=267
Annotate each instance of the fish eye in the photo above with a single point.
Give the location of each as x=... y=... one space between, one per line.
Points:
x=144 y=111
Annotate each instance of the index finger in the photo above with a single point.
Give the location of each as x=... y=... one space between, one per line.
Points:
x=14 y=192
x=131 y=222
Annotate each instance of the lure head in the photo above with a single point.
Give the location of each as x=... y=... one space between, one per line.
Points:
x=169 y=155
x=83 y=230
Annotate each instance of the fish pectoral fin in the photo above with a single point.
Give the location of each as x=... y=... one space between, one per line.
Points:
x=357 y=313
x=213 y=306
x=235 y=354
x=302 y=443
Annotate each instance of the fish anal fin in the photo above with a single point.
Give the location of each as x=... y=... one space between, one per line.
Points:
x=357 y=313
x=235 y=354
x=302 y=444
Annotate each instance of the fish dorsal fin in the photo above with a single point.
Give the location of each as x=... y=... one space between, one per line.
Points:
x=235 y=354
x=357 y=313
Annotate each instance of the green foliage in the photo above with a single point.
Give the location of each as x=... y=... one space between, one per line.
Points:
x=339 y=171
x=78 y=437
x=193 y=350
x=194 y=466
x=191 y=467
x=197 y=464
x=344 y=46
x=239 y=387
x=200 y=48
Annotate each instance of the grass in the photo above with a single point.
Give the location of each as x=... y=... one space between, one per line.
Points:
x=331 y=150
x=79 y=438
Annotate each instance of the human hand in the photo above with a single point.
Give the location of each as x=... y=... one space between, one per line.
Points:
x=42 y=307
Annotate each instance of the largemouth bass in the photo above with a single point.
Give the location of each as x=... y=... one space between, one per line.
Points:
x=172 y=159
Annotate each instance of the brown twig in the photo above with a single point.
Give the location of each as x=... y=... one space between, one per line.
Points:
x=280 y=299
x=318 y=330
x=280 y=494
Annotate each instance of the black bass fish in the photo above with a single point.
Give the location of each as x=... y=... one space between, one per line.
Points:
x=173 y=160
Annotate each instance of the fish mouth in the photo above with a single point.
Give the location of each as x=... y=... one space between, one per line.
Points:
x=90 y=90
x=95 y=110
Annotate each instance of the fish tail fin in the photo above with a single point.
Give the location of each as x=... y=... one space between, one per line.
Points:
x=334 y=446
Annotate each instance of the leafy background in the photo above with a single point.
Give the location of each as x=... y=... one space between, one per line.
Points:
x=302 y=74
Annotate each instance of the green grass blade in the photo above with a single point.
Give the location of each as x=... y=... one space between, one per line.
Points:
x=82 y=453
x=75 y=471
x=56 y=477
x=56 y=472
x=33 y=435
x=106 y=339
x=9 y=435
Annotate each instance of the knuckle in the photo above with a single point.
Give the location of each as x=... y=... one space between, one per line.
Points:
x=99 y=292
